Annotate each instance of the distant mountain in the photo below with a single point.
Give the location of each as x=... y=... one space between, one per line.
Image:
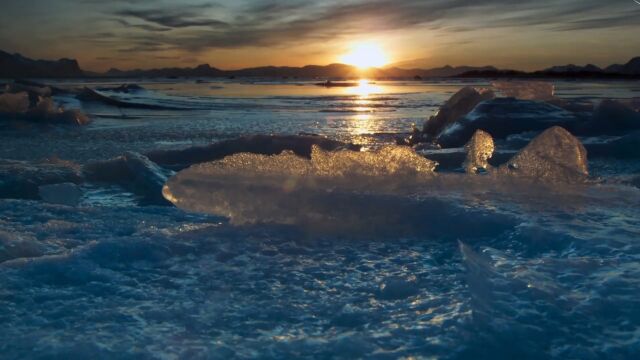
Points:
x=309 y=71
x=445 y=71
x=571 y=68
x=630 y=68
x=203 y=70
x=18 y=66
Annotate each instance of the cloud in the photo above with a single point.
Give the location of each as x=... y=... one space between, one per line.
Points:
x=173 y=17
x=282 y=23
x=146 y=27
x=630 y=19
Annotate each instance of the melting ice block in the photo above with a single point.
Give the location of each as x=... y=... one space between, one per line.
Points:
x=555 y=155
x=459 y=105
x=479 y=150
x=357 y=193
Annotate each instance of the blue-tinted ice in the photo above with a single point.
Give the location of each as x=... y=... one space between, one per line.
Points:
x=355 y=255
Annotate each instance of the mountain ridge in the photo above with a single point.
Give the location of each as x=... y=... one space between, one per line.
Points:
x=18 y=66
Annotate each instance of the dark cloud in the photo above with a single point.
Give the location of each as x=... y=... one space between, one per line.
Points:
x=146 y=27
x=278 y=23
x=174 y=17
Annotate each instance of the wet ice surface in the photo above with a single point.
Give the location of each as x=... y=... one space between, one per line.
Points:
x=149 y=281
x=462 y=269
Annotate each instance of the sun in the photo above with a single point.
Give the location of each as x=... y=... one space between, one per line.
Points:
x=365 y=55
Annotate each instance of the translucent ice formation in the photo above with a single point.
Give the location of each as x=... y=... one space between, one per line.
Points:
x=334 y=192
x=526 y=90
x=459 y=105
x=479 y=150
x=554 y=155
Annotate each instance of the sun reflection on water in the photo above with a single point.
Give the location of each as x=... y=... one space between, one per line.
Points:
x=365 y=88
x=363 y=122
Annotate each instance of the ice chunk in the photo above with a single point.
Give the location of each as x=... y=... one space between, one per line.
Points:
x=345 y=192
x=503 y=117
x=388 y=161
x=479 y=150
x=526 y=90
x=459 y=105
x=555 y=155
x=63 y=194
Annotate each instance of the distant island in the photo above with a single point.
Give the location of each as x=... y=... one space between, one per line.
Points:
x=14 y=66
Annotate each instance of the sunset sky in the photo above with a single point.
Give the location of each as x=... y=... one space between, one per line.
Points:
x=527 y=34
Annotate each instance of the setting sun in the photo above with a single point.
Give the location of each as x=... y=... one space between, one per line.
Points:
x=365 y=55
